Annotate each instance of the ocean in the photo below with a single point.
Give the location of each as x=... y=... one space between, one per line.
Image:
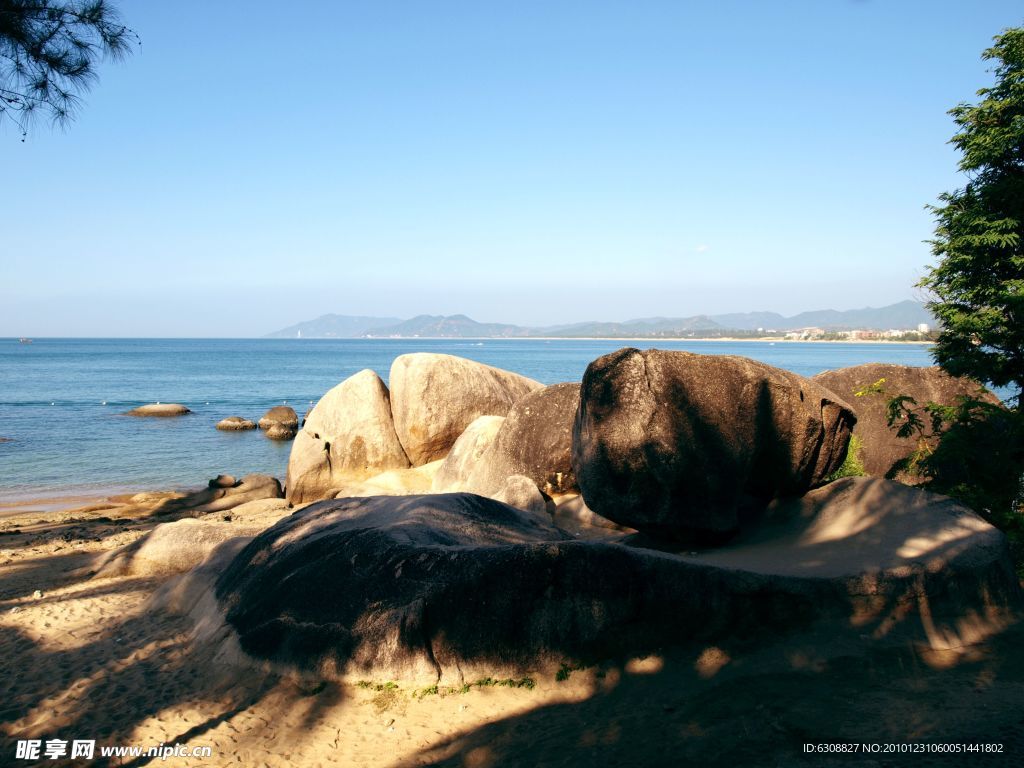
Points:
x=62 y=400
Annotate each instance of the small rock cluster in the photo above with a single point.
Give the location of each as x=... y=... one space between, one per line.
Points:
x=279 y=423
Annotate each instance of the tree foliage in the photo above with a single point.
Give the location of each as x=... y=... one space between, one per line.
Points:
x=974 y=449
x=48 y=54
x=978 y=283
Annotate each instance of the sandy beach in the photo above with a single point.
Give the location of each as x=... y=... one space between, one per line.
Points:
x=92 y=658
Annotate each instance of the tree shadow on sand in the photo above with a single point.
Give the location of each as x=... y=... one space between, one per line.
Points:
x=726 y=707
x=118 y=665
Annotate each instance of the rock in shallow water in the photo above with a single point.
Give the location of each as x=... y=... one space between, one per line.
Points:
x=283 y=415
x=235 y=423
x=281 y=432
x=159 y=410
x=679 y=443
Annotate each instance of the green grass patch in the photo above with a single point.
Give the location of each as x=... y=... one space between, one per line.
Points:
x=852 y=465
x=508 y=682
x=388 y=692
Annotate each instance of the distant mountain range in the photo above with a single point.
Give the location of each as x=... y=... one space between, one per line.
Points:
x=903 y=315
x=334 y=327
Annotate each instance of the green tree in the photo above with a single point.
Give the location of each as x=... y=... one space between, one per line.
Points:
x=974 y=450
x=977 y=285
x=48 y=55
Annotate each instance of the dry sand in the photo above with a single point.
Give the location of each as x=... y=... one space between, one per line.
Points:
x=85 y=658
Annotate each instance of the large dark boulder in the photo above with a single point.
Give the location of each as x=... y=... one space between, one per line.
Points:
x=235 y=424
x=535 y=440
x=882 y=452
x=396 y=586
x=452 y=588
x=677 y=443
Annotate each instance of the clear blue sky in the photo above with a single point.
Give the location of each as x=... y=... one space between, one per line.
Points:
x=258 y=164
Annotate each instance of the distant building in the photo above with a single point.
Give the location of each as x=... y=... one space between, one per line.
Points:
x=923 y=328
x=806 y=333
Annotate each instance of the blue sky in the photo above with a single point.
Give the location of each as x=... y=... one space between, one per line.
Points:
x=254 y=165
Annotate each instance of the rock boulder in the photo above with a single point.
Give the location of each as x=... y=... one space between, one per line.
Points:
x=281 y=432
x=466 y=452
x=159 y=410
x=283 y=415
x=681 y=444
x=522 y=493
x=394 y=482
x=180 y=546
x=348 y=436
x=435 y=397
x=535 y=440
x=882 y=452
x=450 y=588
x=235 y=423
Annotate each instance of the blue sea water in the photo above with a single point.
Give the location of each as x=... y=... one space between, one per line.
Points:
x=62 y=400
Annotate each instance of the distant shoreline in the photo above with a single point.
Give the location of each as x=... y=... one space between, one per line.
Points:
x=759 y=339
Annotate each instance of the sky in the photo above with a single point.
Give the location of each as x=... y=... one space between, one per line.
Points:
x=253 y=165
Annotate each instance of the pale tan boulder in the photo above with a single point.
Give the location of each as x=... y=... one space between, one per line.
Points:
x=177 y=547
x=160 y=410
x=472 y=444
x=435 y=397
x=572 y=514
x=280 y=414
x=281 y=432
x=235 y=424
x=348 y=437
x=394 y=482
x=261 y=513
x=218 y=499
x=522 y=493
